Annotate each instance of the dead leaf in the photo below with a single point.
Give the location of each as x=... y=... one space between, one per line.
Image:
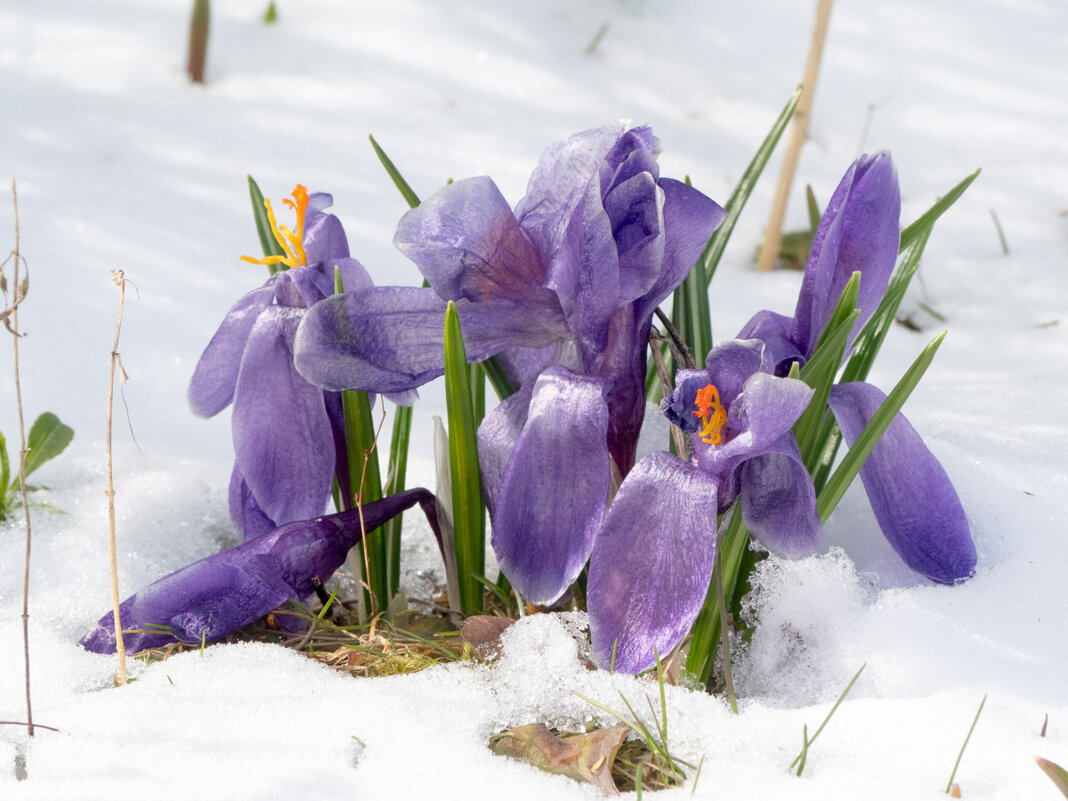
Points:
x=483 y=634
x=584 y=757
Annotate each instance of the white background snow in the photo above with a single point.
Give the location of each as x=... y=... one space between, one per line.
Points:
x=121 y=163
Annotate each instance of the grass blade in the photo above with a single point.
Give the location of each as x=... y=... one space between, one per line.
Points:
x=927 y=220
x=845 y=473
x=736 y=202
x=808 y=741
x=1057 y=774
x=468 y=509
x=964 y=745
x=406 y=191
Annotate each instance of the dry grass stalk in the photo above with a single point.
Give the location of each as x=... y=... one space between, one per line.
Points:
x=11 y=320
x=120 y=647
x=769 y=252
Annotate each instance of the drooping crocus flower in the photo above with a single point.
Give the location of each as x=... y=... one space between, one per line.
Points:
x=563 y=289
x=209 y=599
x=653 y=557
x=284 y=429
x=913 y=499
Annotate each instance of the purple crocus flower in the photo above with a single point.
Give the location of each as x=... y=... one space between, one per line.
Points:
x=563 y=290
x=284 y=429
x=209 y=599
x=914 y=502
x=654 y=554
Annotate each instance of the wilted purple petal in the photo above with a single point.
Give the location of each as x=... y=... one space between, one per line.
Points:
x=221 y=593
x=858 y=231
x=912 y=497
x=212 y=387
x=468 y=244
x=636 y=211
x=779 y=501
x=555 y=488
x=324 y=236
x=276 y=415
x=390 y=339
x=652 y=562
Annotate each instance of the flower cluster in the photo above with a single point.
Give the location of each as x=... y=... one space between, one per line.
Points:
x=561 y=291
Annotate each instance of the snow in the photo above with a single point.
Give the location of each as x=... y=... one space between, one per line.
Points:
x=121 y=163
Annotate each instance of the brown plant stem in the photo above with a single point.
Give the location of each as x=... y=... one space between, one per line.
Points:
x=769 y=252
x=120 y=646
x=20 y=292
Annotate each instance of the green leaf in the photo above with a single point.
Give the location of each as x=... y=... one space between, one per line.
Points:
x=48 y=438
x=736 y=202
x=270 y=16
x=398 y=180
x=498 y=378
x=819 y=371
x=468 y=509
x=263 y=226
x=813 y=211
x=927 y=220
x=843 y=476
x=5 y=476
x=690 y=315
x=732 y=545
x=398 y=469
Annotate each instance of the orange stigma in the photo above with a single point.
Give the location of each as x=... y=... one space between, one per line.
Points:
x=712 y=414
x=292 y=244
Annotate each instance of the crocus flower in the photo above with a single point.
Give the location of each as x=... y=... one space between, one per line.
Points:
x=654 y=554
x=563 y=289
x=209 y=599
x=284 y=429
x=913 y=499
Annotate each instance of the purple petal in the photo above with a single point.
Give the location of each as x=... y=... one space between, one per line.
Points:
x=246 y=515
x=636 y=211
x=775 y=331
x=324 y=236
x=689 y=220
x=779 y=501
x=212 y=387
x=221 y=593
x=497 y=435
x=389 y=339
x=468 y=244
x=282 y=435
x=911 y=495
x=555 y=488
x=858 y=231
x=652 y=562
x=559 y=182
x=733 y=362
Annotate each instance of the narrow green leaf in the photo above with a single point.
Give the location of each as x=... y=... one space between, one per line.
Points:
x=397 y=475
x=808 y=741
x=498 y=378
x=960 y=756
x=813 y=210
x=468 y=509
x=690 y=315
x=5 y=476
x=845 y=473
x=732 y=545
x=819 y=371
x=48 y=438
x=927 y=220
x=270 y=16
x=598 y=37
x=263 y=226
x=736 y=202
x=406 y=191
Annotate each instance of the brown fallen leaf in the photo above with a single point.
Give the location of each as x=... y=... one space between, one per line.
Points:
x=584 y=757
x=483 y=634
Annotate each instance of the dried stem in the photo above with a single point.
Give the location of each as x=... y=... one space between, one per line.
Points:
x=798 y=133
x=682 y=447
x=120 y=646
x=21 y=286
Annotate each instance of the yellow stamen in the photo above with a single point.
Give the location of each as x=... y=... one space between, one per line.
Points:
x=291 y=243
x=713 y=415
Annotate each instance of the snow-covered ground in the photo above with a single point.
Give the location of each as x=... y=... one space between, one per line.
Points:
x=121 y=163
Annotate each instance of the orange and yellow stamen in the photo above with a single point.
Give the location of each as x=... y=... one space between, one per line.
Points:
x=292 y=243
x=713 y=415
